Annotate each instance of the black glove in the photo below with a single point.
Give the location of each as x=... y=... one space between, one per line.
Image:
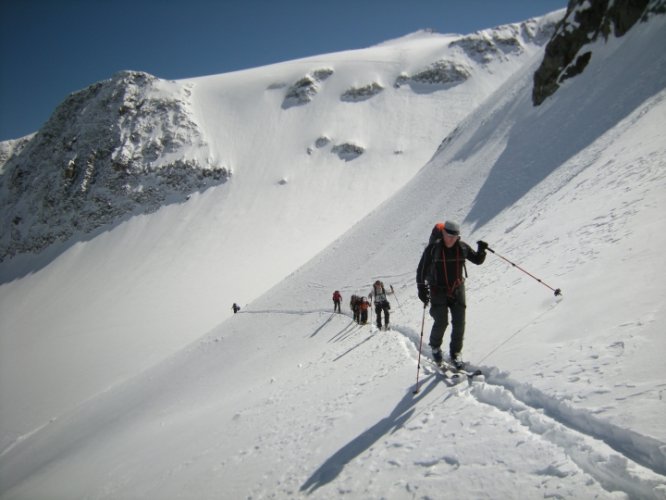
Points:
x=482 y=246
x=424 y=294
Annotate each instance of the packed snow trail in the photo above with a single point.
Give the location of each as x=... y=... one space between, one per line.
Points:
x=364 y=436
x=619 y=459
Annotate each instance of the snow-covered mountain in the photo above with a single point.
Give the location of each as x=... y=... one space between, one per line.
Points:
x=126 y=145
x=286 y=399
x=134 y=143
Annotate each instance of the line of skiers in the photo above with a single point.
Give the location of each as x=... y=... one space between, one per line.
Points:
x=440 y=282
x=360 y=305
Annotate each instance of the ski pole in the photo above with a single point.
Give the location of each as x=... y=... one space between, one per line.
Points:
x=556 y=290
x=372 y=307
x=396 y=298
x=418 y=364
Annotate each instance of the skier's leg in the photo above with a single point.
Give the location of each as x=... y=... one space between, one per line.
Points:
x=378 y=313
x=439 y=314
x=457 y=328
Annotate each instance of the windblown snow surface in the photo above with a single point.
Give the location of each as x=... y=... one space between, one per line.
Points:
x=287 y=399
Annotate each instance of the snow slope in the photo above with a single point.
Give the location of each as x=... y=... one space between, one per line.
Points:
x=286 y=399
x=129 y=295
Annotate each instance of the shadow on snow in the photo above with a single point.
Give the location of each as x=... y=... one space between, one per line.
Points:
x=332 y=467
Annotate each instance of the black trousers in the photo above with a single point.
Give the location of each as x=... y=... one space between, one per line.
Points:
x=379 y=307
x=439 y=311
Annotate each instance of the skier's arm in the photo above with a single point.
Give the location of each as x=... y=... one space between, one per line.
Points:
x=424 y=264
x=477 y=256
x=421 y=278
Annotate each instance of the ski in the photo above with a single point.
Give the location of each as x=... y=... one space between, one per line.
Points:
x=450 y=371
x=448 y=374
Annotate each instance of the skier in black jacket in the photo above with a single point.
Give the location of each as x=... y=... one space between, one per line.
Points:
x=440 y=281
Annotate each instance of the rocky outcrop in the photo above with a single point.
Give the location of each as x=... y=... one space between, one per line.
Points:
x=320 y=143
x=439 y=75
x=347 y=151
x=499 y=43
x=585 y=21
x=125 y=145
x=356 y=94
x=306 y=88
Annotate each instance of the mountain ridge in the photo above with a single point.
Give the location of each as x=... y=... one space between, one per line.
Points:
x=131 y=144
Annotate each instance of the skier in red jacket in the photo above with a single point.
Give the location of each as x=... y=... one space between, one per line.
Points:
x=337 y=299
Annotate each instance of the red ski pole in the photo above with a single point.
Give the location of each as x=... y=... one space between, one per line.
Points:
x=418 y=364
x=556 y=290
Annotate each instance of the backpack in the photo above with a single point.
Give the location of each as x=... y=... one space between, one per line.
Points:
x=381 y=293
x=436 y=233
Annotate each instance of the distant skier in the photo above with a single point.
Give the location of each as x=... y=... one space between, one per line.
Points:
x=381 y=303
x=235 y=307
x=355 y=306
x=337 y=298
x=364 y=306
x=440 y=281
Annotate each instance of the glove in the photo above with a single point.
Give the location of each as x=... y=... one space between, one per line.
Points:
x=482 y=246
x=424 y=294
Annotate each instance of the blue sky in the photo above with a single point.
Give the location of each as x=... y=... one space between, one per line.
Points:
x=50 y=48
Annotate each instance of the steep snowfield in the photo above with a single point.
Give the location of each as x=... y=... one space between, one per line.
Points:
x=286 y=399
x=130 y=295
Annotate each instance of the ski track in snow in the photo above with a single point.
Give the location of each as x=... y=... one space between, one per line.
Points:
x=619 y=459
x=613 y=456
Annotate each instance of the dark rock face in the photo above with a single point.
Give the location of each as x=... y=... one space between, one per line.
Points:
x=585 y=20
x=125 y=145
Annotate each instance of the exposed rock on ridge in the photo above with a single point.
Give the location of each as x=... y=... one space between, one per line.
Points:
x=304 y=90
x=362 y=93
x=489 y=45
x=440 y=74
x=125 y=145
x=131 y=144
x=584 y=22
